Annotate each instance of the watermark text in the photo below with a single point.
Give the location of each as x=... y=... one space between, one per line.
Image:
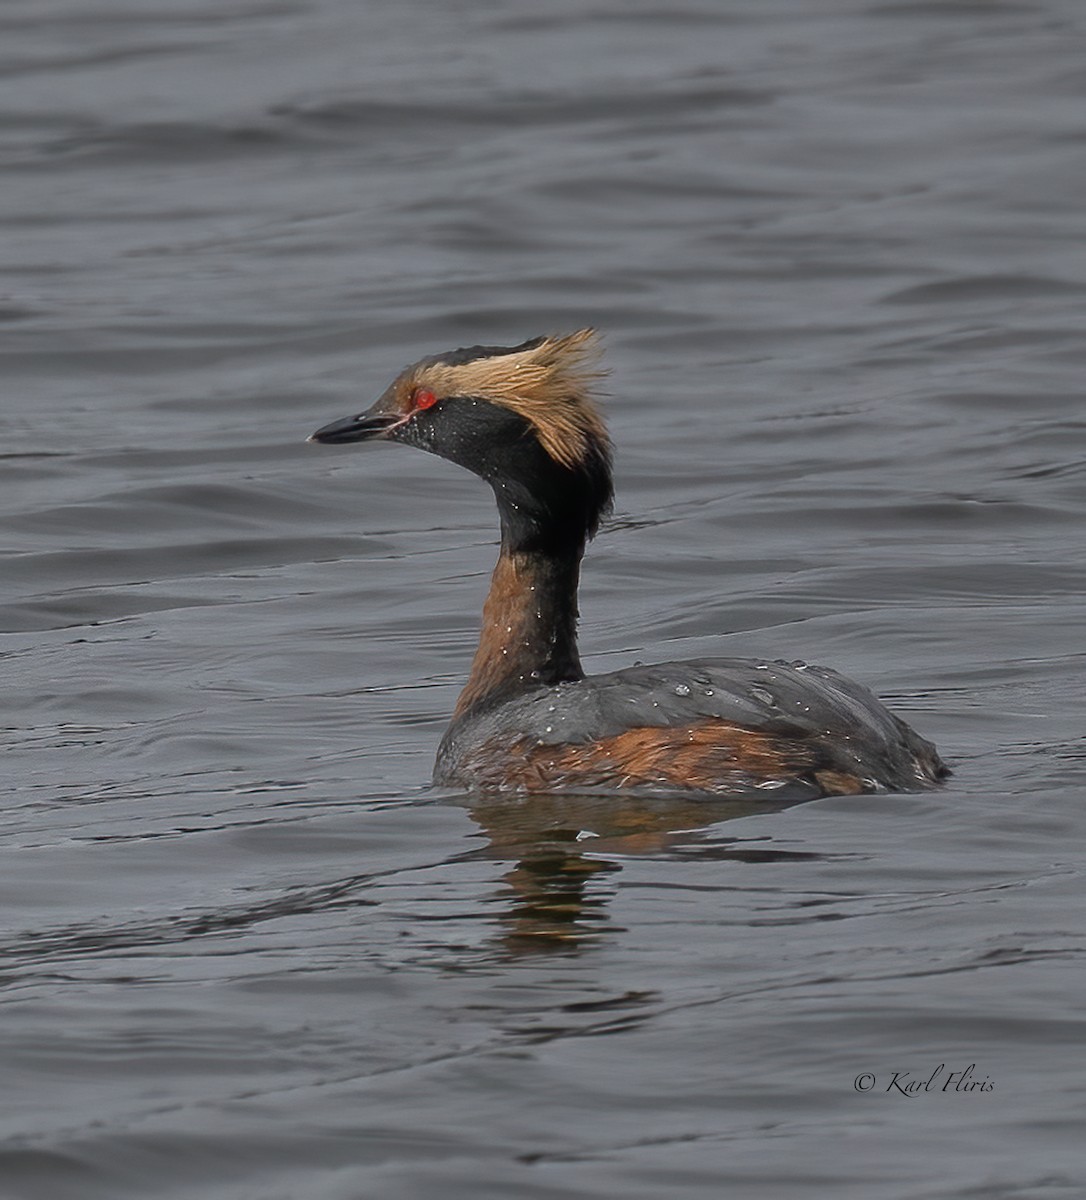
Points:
x=920 y=1083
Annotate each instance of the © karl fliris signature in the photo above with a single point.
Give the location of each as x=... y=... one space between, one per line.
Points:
x=919 y=1083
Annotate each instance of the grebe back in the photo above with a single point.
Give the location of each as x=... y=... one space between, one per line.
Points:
x=529 y=720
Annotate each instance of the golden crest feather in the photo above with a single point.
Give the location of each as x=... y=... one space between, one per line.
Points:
x=547 y=383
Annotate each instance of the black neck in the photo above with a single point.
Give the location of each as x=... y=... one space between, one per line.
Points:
x=529 y=633
x=548 y=512
x=551 y=522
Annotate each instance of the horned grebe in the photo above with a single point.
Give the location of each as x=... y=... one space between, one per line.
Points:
x=529 y=720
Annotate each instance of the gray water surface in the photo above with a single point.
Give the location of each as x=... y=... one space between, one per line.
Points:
x=838 y=257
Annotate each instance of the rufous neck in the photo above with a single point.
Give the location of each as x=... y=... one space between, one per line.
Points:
x=529 y=634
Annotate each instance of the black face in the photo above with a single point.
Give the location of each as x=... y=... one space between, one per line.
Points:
x=543 y=504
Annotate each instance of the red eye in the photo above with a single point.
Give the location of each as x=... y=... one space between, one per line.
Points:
x=424 y=398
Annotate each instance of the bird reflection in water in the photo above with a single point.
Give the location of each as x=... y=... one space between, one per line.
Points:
x=563 y=848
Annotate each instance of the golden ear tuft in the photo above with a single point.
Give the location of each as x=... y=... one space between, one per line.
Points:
x=546 y=381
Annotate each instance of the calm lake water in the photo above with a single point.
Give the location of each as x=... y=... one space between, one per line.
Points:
x=838 y=256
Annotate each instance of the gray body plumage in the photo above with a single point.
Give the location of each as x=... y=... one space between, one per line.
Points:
x=848 y=729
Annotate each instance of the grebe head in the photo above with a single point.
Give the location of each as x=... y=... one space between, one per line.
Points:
x=519 y=417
